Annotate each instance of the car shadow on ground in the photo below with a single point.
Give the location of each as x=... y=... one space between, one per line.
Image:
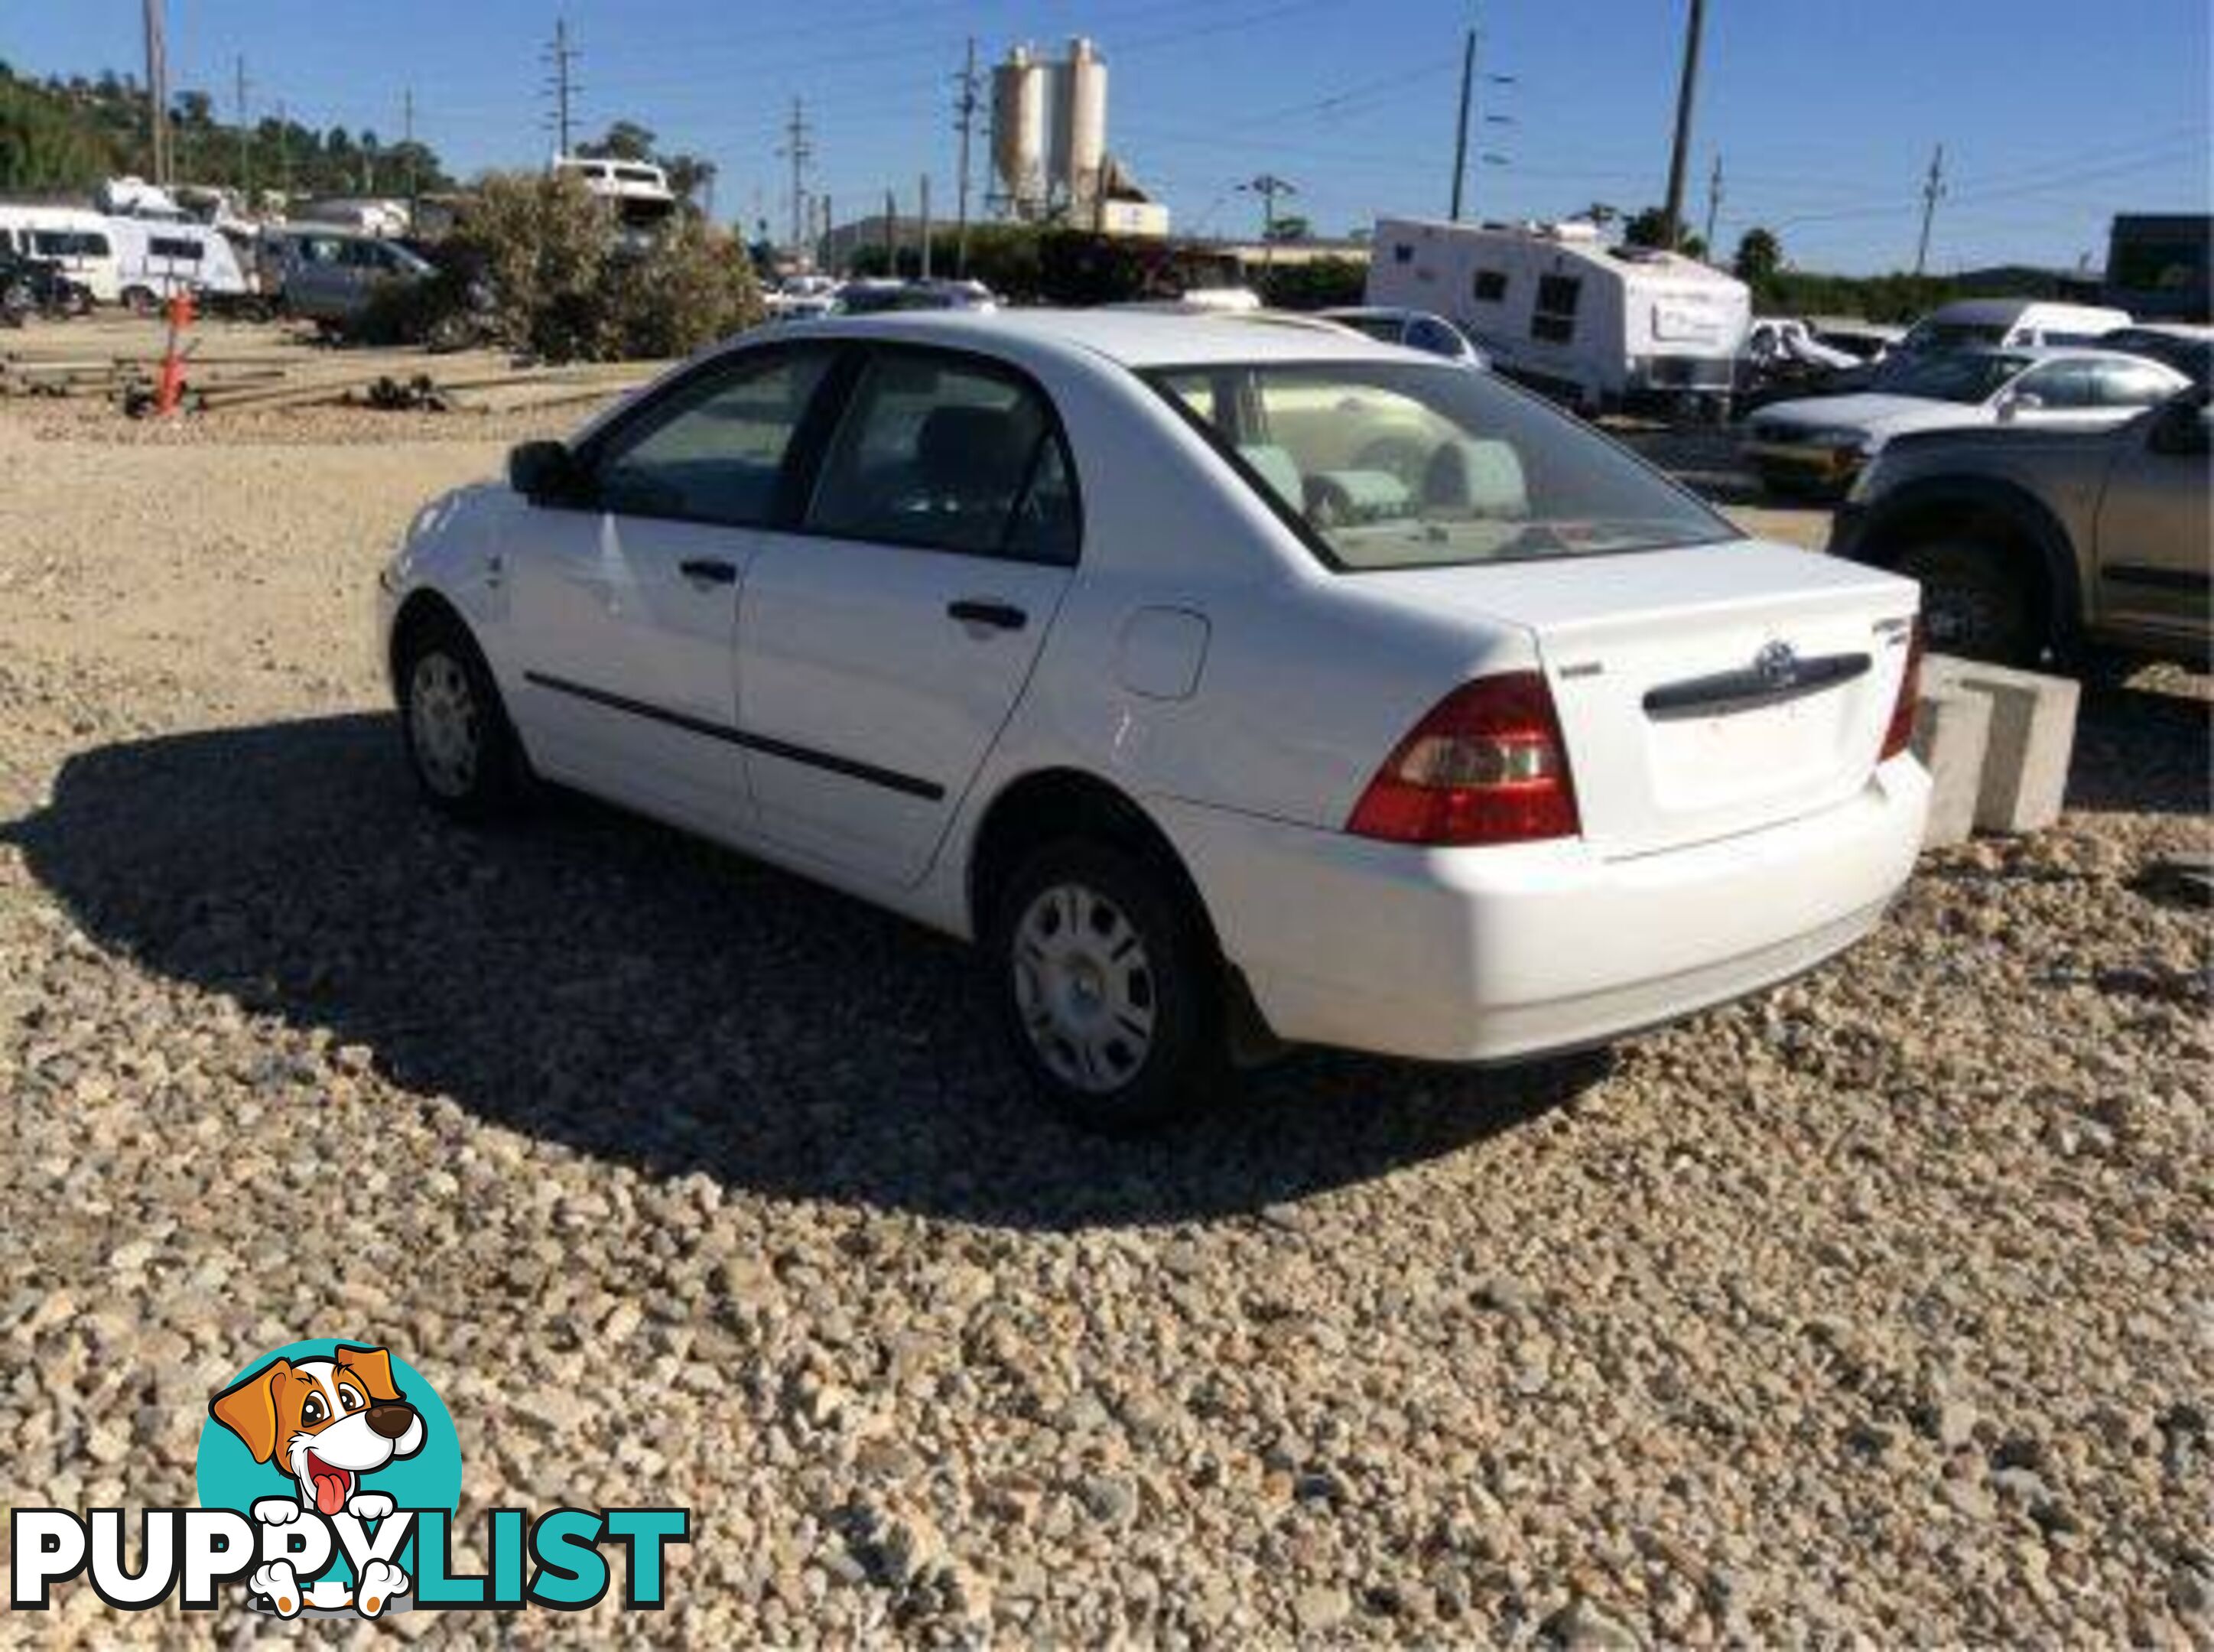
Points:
x=588 y=978
x=2140 y=749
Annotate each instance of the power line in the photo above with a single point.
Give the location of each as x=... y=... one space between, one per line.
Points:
x=562 y=85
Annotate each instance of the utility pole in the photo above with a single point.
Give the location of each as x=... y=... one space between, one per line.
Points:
x=1714 y=203
x=1460 y=132
x=408 y=137
x=1686 y=92
x=926 y=226
x=245 y=155
x=965 y=107
x=799 y=152
x=157 y=90
x=1932 y=189
x=1268 y=187
x=563 y=57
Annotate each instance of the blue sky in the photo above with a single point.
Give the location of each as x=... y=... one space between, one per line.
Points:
x=2053 y=115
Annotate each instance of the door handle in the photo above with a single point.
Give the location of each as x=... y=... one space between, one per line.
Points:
x=710 y=571
x=1000 y=616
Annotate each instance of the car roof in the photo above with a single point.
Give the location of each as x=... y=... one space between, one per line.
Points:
x=1134 y=338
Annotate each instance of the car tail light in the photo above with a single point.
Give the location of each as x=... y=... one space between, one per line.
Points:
x=1901 y=734
x=1487 y=766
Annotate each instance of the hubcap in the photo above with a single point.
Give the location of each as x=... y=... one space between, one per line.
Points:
x=1085 y=987
x=444 y=725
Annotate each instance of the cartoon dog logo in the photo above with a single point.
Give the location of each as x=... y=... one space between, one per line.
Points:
x=326 y=1422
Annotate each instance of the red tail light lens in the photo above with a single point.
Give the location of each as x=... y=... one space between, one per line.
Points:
x=1901 y=734
x=1487 y=766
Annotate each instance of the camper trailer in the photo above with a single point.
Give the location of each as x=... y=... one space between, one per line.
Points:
x=156 y=257
x=639 y=191
x=80 y=242
x=1598 y=327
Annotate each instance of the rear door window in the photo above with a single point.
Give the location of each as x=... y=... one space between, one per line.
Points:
x=946 y=453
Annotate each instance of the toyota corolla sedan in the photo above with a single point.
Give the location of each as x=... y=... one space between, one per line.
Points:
x=1229 y=686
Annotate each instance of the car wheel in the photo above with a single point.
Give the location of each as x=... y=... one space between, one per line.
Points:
x=140 y=301
x=1975 y=602
x=460 y=744
x=1108 y=985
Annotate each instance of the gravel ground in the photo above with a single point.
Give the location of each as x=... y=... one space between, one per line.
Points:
x=1877 y=1308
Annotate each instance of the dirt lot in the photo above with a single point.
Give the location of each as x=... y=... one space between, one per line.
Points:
x=1878 y=1307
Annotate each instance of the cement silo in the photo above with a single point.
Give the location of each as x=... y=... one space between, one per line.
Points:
x=1018 y=132
x=1079 y=149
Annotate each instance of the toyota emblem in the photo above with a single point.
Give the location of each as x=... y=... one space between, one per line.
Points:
x=1777 y=665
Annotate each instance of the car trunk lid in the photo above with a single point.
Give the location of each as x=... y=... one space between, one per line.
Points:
x=1701 y=693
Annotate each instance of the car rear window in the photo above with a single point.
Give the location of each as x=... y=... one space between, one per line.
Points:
x=1383 y=465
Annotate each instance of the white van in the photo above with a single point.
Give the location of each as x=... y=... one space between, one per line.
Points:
x=1600 y=327
x=2010 y=323
x=156 y=257
x=79 y=240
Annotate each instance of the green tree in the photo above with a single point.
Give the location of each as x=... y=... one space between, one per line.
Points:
x=1650 y=229
x=1291 y=226
x=1759 y=256
x=624 y=140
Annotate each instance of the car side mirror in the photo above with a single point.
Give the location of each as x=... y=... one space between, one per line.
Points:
x=546 y=472
x=2019 y=401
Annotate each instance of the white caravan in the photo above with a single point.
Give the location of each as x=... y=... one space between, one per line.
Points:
x=1601 y=328
x=156 y=257
x=639 y=191
x=80 y=242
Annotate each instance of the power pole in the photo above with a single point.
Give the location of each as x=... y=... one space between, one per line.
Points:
x=1460 y=132
x=891 y=233
x=799 y=152
x=157 y=90
x=1714 y=203
x=1686 y=91
x=408 y=137
x=1268 y=187
x=965 y=107
x=925 y=225
x=245 y=155
x=563 y=57
x=1932 y=189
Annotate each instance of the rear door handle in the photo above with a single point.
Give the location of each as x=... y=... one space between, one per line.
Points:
x=1000 y=616
x=710 y=571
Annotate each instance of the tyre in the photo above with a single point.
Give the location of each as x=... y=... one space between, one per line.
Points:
x=140 y=301
x=1108 y=986
x=1976 y=601
x=460 y=744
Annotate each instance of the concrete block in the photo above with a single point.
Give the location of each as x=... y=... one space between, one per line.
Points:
x=2032 y=737
x=1951 y=733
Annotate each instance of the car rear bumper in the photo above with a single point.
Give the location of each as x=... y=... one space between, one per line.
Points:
x=1503 y=954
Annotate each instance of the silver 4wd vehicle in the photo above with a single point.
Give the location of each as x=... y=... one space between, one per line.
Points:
x=328 y=275
x=2031 y=544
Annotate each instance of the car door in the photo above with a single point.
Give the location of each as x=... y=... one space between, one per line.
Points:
x=2154 y=543
x=625 y=597
x=886 y=640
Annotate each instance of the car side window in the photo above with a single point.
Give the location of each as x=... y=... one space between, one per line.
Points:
x=2125 y=384
x=712 y=447
x=2058 y=384
x=1424 y=334
x=948 y=454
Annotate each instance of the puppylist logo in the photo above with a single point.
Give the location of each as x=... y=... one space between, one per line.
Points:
x=328 y=1474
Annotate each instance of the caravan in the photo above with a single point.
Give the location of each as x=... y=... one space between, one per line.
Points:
x=1600 y=327
x=156 y=257
x=79 y=241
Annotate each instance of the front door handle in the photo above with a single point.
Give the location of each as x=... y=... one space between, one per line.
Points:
x=710 y=571
x=1000 y=616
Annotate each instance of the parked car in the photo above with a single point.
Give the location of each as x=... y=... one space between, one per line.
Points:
x=2031 y=544
x=879 y=296
x=329 y=276
x=2189 y=350
x=2011 y=323
x=37 y=286
x=1083 y=635
x=1818 y=446
x=1417 y=329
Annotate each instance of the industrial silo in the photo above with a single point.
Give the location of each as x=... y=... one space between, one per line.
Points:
x=1018 y=131
x=1080 y=124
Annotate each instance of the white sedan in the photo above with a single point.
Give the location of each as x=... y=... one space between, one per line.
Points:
x=1228 y=684
x=1820 y=443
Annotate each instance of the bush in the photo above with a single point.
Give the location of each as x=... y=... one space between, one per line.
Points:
x=542 y=257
